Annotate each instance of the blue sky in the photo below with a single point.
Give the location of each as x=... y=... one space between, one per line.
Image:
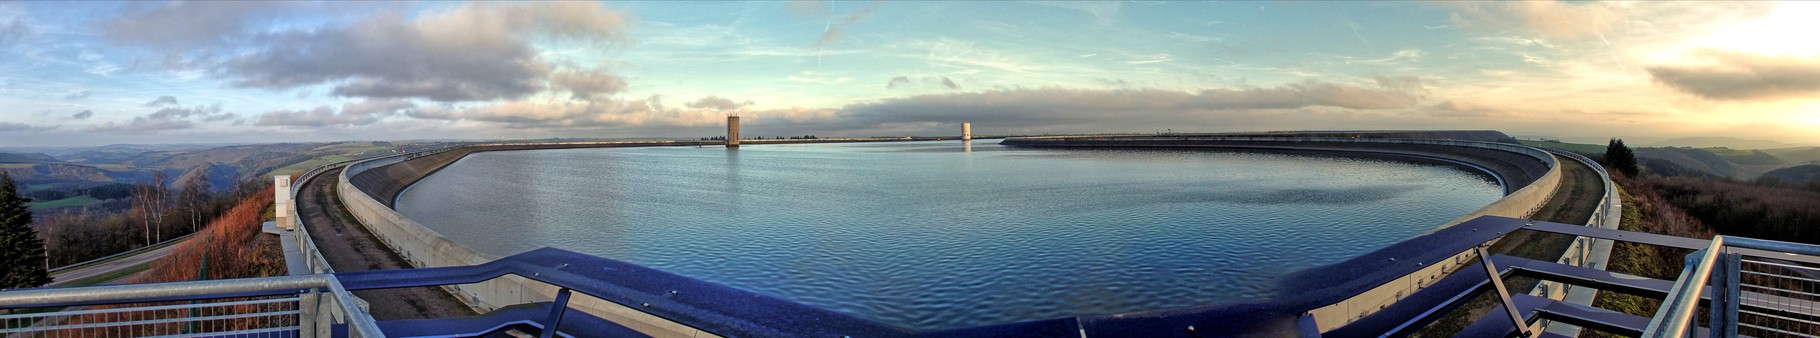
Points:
x=90 y=73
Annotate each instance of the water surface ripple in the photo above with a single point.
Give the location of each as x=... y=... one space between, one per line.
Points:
x=923 y=235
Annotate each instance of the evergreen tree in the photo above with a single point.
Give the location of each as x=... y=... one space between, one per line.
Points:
x=1620 y=157
x=21 y=251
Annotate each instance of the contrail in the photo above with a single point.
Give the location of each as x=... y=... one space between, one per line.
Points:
x=1355 y=31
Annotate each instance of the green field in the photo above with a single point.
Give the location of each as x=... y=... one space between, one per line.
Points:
x=330 y=154
x=67 y=202
x=1593 y=149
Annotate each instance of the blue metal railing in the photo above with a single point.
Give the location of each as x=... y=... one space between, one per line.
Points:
x=726 y=311
x=1720 y=267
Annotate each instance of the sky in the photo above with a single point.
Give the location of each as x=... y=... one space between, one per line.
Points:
x=96 y=73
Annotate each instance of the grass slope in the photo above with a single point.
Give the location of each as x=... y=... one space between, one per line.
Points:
x=67 y=202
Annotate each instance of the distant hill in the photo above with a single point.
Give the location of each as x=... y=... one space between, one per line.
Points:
x=15 y=158
x=61 y=176
x=220 y=176
x=1689 y=159
x=1802 y=155
x=1799 y=175
x=1717 y=162
x=1724 y=142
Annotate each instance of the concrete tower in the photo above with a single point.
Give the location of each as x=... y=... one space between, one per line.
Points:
x=966 y=131
x=282 y=201
x=732 y=131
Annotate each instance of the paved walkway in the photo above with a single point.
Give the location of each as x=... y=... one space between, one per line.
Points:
x=349 y=247
x=64 y=277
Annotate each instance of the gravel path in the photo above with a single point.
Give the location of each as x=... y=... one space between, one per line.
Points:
x=349 y=247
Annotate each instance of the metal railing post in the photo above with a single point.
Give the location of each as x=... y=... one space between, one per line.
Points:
x=1733 y=277
x=557 y=309
x=1722 y=284
x=1497 y=284
x=307 y=304
x=1675 y=316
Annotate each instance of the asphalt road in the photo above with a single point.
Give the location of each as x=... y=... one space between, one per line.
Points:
x=68 y=276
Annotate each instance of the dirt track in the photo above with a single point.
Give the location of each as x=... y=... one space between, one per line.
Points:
x=349 y=247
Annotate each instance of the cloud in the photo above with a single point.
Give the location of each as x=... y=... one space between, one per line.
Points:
x=836 y=30
x=473 y=52
x=1410 y=84
x=904 y=82
x=351 y=114
x=14 y=30
x=717 y=103
x=206 y=113
x=838 y=80
x=1121 y=107
x=83 y=115
x=1736 y=76
x=185 y=25
x=530 y=114
x=1549 y=18
x=808 y=7
x=1399 y=55
x=15 y=127
x=161 y=101
x=1158 y=58
x=589 y=85
x=641 y=116
x=1461 y=109
x=142 y=124
x=77 y=95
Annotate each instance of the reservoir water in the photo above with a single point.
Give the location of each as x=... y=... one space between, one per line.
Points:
x=927 y=236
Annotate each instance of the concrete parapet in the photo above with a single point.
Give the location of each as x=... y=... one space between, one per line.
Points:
x=423 y=247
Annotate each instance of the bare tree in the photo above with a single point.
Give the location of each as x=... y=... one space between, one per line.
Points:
x=194 y=198
x=149 y=203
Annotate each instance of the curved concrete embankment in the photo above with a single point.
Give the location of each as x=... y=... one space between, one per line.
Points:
x=424 y=247
x=369 y=188
x=1529 y=175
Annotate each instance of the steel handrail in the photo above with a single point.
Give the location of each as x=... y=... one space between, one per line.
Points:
x=359 y=322
x=1675 y=316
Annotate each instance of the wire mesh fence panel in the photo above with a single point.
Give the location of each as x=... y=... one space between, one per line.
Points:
x=1778 y=299
x=275 y=316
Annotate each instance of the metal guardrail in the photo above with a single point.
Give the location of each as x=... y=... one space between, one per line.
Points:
x=306 y=306
x=1774 y=297
x=134 y=251
x=1584 y=251
x=1769 y=296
